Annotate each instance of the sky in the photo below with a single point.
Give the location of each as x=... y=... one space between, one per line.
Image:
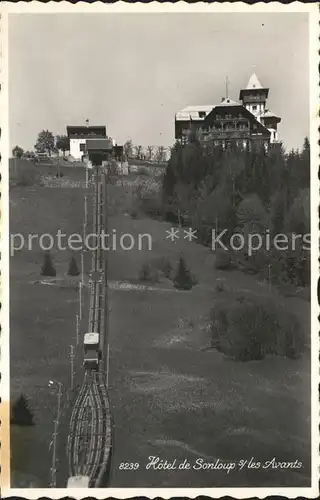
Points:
x=133 y=72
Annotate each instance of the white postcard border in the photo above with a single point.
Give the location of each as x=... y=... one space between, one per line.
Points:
x=6 y=10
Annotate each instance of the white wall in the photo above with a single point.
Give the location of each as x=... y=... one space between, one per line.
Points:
x=75 y=148
x=274 y=135
x=260 y=107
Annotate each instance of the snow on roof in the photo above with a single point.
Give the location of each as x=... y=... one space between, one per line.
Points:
x=229 y=102
x=269 y=114
x=196 y=112
x=91 y=338
x=254 y=83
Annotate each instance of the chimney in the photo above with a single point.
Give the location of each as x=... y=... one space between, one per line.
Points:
x=87 y=122
x=222 y=99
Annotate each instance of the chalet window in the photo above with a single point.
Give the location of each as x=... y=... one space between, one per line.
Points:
x=202 y=114
x=218 y=117
x=254 y=107
x=82 y=147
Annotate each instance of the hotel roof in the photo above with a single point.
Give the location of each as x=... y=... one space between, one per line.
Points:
x=196 y=112
x=254 y=82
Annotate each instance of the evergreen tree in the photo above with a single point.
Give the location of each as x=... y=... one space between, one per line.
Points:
x=48 y=268
x=277 y=211
x=305 y=165
x=73 y=268
x=183 y=279
x=21 y=414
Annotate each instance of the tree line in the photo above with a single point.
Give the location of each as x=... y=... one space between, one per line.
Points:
x=46 y=143
x=150 y=153
x=244 y=191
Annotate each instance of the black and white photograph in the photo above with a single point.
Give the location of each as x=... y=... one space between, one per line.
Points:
x=159 y=205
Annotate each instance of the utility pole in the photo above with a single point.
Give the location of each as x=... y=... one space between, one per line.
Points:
x=77 y=328
x=85 y=216
x=233 y=192
x=227 y=87
x=80 y=300
x=58 y=166
x=82 y=269
x=72 y=364
x=269 y=277
x=55 y=435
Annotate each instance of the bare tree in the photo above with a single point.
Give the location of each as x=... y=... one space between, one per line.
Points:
x=150 y=152
x=160 y=154
x=138 y=151
x=127 y=148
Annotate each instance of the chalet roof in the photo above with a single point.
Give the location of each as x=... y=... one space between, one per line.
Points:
x=195 y=112
x=254 y=83
x=82 y=131
x=244 y=111
x=103 y=144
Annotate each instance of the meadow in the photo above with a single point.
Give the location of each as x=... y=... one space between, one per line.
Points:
x=173 y=396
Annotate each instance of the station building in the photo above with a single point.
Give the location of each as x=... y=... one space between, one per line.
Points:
x=78 y=136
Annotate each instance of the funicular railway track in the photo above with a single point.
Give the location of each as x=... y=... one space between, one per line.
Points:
x=89 y=440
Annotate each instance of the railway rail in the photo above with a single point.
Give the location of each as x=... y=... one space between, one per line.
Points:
x=90 y=430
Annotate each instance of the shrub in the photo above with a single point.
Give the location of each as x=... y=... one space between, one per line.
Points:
x=250 y=329
x=73 y=267
x=134 y=213
x=144 y=171
x=21 y=414
x=219 y=287
x=223 y=259
x=149 y=273
x=183 y=279
x=151 y=206
x=147 y=198
x=165 y=266
x=48 y=268
x=23 y=173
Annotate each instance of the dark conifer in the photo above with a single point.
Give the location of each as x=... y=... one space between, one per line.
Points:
x=183 y=279
x=73 y=268
x=21 y=413
x=48 y=268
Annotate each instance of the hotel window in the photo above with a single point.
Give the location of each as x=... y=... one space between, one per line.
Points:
x=82 y=147
x=254 y=107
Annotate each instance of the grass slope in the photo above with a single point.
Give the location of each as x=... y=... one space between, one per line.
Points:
x=42 y=319
x=173 y=399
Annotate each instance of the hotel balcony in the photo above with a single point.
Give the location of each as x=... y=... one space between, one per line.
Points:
x=226 y=134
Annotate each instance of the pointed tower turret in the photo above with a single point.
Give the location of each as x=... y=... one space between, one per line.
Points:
x=254 y=96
